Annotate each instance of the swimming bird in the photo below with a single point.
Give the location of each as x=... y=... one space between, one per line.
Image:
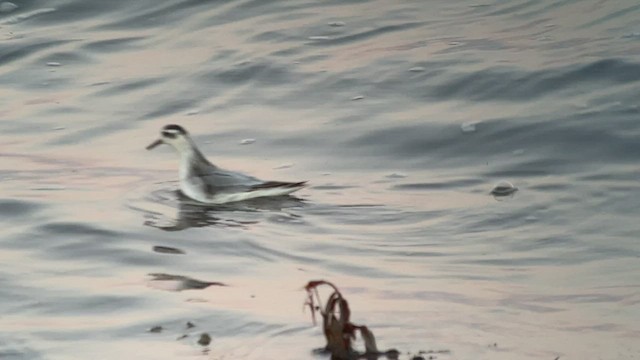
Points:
x=204 y=182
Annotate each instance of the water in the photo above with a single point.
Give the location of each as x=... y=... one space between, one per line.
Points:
x=403 y=115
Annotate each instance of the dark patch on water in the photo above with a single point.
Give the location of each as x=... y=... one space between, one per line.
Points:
x=120 y=89
x=114 y=45
x=18 y=208
x=75 y=229
x=439 y=185
x=167 y=250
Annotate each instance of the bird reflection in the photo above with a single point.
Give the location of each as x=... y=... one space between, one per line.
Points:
x=232 y=215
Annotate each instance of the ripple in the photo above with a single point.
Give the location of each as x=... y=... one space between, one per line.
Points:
x=17 y=51
x=508 y=84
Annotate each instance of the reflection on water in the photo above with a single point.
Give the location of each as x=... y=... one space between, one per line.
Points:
x=403 y=116
x=179 y=282
x=179 y=212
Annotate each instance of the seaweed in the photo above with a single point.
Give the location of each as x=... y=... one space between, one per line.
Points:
x=340 y=333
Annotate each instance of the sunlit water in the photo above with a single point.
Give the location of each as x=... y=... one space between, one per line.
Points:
x=403 y=115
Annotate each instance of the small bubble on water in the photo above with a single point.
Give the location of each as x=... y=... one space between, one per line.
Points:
x=247 y=141
x=319 y=38
x=417 y=69
x=284 y=166
x=53 y=63
x=359 y=97
x=336 y=23
x=469 y=127
x=503 y=188
x=396 y=175
x=6 y=7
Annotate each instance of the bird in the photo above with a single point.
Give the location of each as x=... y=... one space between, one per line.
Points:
x=204 y=182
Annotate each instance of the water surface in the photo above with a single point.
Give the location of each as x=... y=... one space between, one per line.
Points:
x=402 y=115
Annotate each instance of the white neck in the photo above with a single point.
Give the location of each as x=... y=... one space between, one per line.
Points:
x=190 y=157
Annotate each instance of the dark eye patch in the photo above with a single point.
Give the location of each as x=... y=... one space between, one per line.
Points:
x=169 y=134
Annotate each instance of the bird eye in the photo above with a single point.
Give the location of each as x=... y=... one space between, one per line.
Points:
x=169 y=134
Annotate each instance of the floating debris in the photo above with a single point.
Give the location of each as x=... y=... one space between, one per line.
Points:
x=181 y=337
x=53 y=63
x=359 y=97
x=6 y=7
x=336 y=23
x=167 y=250
x=469 y=127
x=247 y=141
x=190 y=325
x=204 y=340
x=417 y=69
x=339 y=331
x=155 y=329
x=319 y=37
x=503 y=188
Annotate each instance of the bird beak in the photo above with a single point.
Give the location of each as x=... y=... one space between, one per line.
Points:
x=154 y=144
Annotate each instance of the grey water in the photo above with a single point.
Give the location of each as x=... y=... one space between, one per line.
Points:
x=402 y=115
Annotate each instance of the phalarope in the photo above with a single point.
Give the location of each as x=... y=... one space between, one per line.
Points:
x=202 y=181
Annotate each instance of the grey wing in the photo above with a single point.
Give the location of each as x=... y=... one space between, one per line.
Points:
x=219 y=178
